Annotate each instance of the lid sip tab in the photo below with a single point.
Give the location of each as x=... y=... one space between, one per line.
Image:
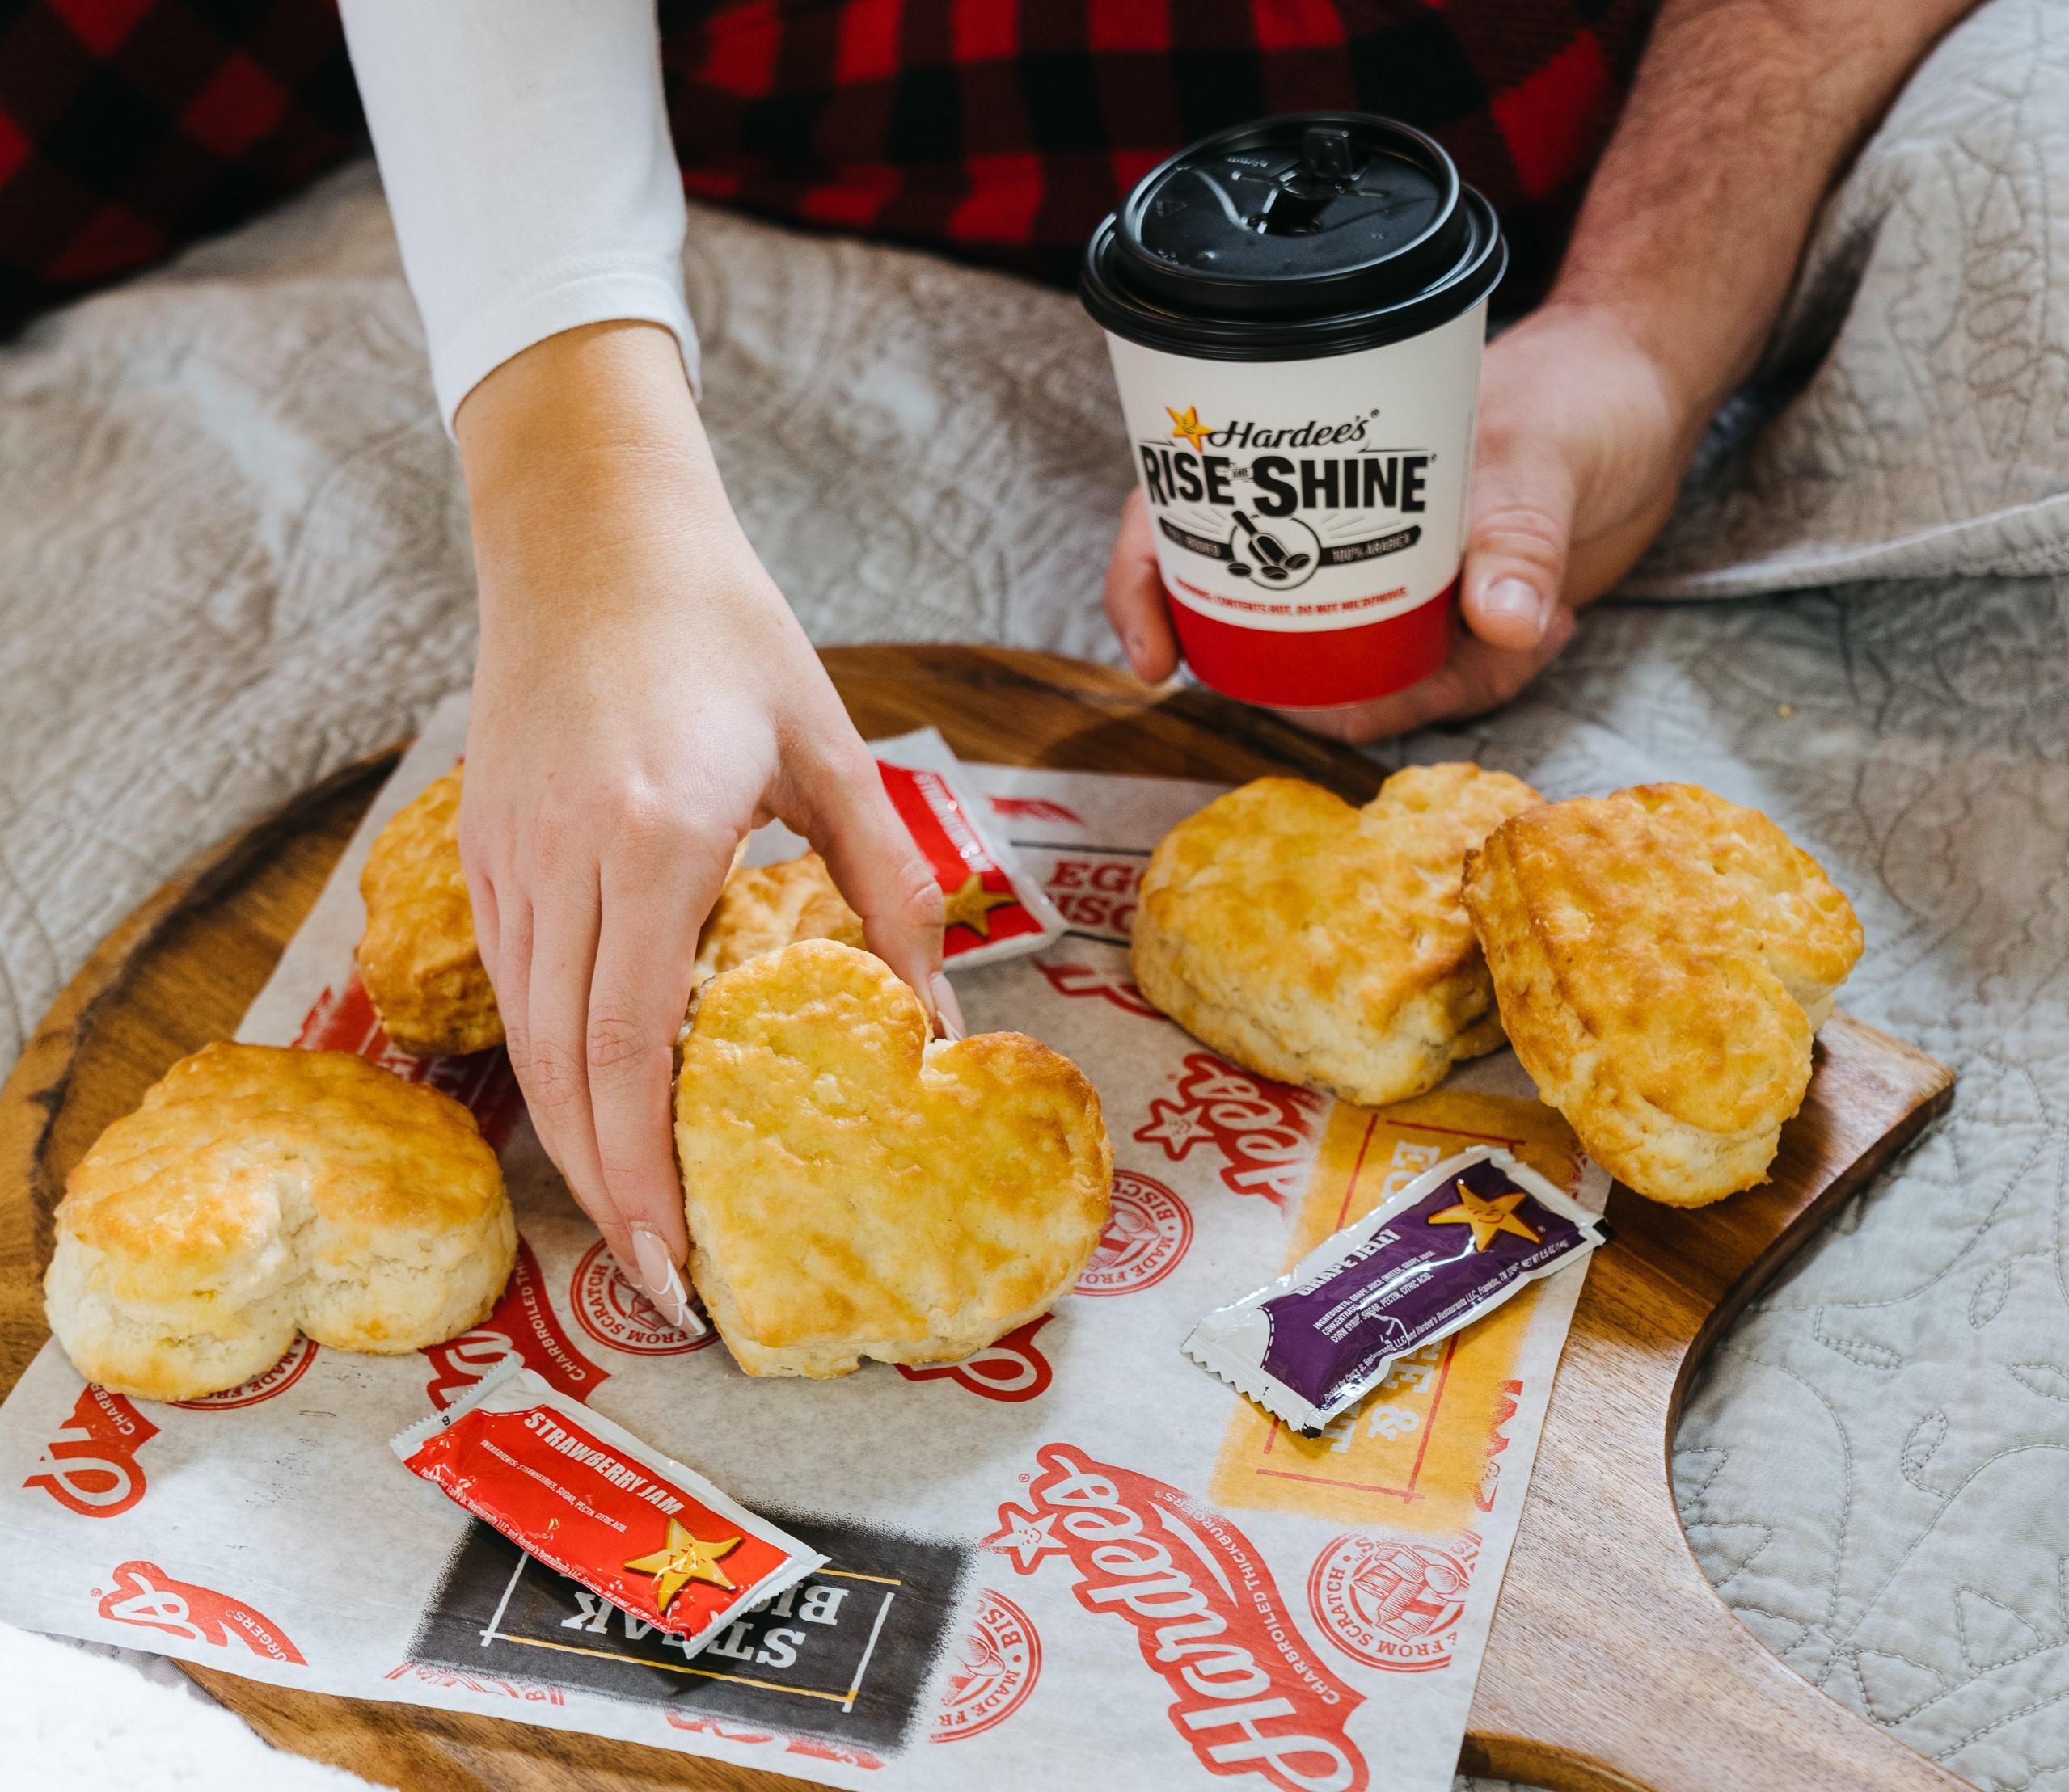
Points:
x=1351 y=230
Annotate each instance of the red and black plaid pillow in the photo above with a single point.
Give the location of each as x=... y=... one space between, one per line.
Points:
x=130 y=127
x=1001 y=130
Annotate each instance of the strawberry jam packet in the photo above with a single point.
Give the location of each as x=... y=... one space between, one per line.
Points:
x=995 y=909
x=594 y=1504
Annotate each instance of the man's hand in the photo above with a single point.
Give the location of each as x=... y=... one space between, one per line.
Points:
x=1742 y=114
x=643 y=698
x=1580 y=449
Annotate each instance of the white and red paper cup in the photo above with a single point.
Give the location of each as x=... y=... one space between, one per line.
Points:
x=1296 y=311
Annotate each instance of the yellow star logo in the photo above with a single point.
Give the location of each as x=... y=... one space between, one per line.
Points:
x=971 y=906
x=681 y=1560
x=1487 y=1214
x=1185 y=426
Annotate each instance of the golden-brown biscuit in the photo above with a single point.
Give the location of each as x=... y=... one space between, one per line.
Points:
x=1662 y=958
x=764 y=907
x=1324 y=945
x=418 y=957
x=422 y=967
x=855 y=1190
x=258 y=1191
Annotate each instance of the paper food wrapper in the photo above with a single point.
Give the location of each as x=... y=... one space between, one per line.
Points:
x=1075 y=1559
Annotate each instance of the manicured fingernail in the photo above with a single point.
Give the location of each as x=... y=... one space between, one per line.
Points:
x=1516 y=599
x=946 y=1007
x=662 y=1281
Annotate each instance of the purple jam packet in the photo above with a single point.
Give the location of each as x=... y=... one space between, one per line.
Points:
x=1455 y=1244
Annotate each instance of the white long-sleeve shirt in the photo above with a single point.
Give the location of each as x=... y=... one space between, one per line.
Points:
x=523 y=146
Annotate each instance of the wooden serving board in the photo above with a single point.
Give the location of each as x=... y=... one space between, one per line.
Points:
x=1612 y=1664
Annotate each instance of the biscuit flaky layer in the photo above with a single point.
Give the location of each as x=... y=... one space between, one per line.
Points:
x=258 y=1191
x=1320 y=944
x=1662 y=959
x=418 y=957
x=422 y=967
x=855 y=1190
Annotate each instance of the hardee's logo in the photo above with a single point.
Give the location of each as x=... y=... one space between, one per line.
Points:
x=91 y=1467
x=1207 y=1615
x=343 y=1020
x=145 y=1594
x=523 y=1321
x=1014 y=1368
x=1265 y=1131
x=1186 y=427
x=1083 y=981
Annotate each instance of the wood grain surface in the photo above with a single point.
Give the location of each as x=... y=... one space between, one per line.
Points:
x=1612 y=1664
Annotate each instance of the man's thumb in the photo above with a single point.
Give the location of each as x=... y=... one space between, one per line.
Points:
x=1515 y=571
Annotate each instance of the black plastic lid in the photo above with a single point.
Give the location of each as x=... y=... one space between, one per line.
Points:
x=1315 y=233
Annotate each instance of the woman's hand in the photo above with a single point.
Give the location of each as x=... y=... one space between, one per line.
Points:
x=1580 y=449
x=643 y=696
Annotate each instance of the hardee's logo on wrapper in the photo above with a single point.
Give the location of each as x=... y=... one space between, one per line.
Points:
x=1207 y=1616
x=1393 y=1604
x=998 y=1662
x=1014 y=1368
x=522 y=1323
x=91 y=1467
x=1265 y=1131
x=145 y=1594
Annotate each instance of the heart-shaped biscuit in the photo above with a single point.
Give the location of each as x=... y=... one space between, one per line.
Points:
x=258 y=1191
x=422 y=967
x=1320 y=944
x=1662 y=959
x=853 y=1189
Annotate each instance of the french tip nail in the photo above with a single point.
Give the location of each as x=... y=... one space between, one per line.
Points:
x=662 y=1282
x=947 y=1011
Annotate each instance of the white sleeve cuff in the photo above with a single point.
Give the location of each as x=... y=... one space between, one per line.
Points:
x=564 y=296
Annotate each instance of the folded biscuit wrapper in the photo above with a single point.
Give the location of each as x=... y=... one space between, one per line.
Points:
x=1073 y=1559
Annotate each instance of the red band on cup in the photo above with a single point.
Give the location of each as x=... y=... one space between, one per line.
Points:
x=1323 y=669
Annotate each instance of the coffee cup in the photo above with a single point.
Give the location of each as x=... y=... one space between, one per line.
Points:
x=1296 y=310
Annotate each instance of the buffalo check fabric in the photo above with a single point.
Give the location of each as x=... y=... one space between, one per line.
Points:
x=1002 y=130
x=129 y=127
x=998 y=130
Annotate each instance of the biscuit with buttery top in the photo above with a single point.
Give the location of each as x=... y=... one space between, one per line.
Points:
x=422 y=968
x=764 y=907
x=1662 y=959
x=1320 y=944
x=418 y=959
x=855 y=1189
x=258 y=1191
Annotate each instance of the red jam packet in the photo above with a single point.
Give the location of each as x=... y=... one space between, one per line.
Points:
x=593 y=1502
x=995 y=909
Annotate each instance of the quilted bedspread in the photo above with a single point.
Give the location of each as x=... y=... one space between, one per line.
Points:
x=232 y=556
